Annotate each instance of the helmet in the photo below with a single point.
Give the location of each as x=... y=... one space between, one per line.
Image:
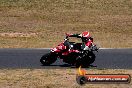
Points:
x=86 y=34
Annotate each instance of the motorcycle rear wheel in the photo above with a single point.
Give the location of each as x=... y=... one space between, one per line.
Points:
x=48 y=59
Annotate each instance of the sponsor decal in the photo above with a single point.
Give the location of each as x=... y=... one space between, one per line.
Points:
x=83 y=78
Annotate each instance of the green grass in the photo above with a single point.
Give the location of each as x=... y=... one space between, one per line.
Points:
x=109 y=21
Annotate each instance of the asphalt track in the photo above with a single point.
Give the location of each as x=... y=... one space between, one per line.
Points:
x=29 y=58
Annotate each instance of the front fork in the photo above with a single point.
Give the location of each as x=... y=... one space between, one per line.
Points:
x=84 y=54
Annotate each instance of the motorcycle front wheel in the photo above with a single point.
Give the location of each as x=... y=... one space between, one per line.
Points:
x=85 y=61
x=48 y=59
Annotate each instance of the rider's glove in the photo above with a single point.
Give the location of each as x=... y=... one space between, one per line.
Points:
x=87 y=48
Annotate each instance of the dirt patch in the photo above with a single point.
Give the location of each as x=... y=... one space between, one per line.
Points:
x=18 y=34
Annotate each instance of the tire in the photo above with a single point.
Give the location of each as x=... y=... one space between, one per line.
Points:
x=85 y=61
x=91 y=57
x=79 y=62
x=48 y=59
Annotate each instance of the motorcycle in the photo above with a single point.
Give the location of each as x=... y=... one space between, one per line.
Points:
x=71 y=53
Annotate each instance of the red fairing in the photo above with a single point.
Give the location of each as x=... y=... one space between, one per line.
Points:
x=70 y=51
x=73 y=51
x=65 y=53
x=59 y=48
x=54 y=50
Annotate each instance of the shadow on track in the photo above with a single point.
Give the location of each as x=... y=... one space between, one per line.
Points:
x=67 y=66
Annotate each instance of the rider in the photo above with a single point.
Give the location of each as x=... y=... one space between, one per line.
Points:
x=86 y=39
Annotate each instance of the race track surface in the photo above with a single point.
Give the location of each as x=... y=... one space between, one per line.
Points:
x=29 y=58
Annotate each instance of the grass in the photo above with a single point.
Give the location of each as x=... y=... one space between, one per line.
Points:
x=53 y=78
x=109 y=21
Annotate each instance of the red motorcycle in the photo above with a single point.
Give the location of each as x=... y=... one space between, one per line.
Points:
x=72 y=53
